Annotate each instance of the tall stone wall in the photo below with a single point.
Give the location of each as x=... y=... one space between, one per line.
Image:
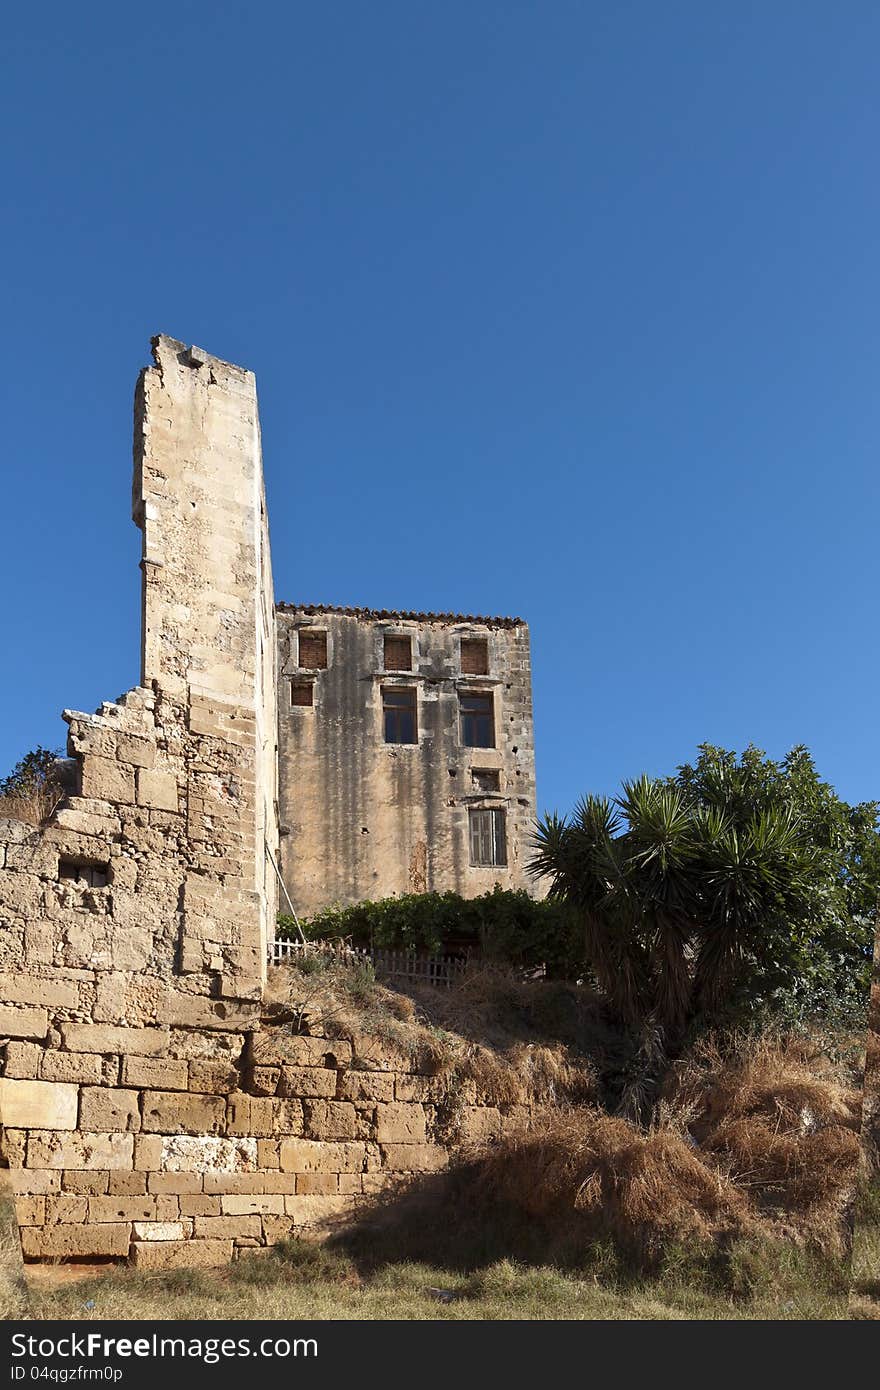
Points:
x=133 y=927
x=146 y=1111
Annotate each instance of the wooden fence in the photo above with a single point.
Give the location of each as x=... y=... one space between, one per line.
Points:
x=414 y=966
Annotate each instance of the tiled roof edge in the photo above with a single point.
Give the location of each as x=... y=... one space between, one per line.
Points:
x=393 y=614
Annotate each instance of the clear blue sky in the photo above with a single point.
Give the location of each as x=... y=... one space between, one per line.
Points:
x=566 y=310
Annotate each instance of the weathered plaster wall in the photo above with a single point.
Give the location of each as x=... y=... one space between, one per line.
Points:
x=362 y=818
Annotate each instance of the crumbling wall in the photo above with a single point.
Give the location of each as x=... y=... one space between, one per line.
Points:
x=144 y=1112
x=180 y=1146
x=133 y=928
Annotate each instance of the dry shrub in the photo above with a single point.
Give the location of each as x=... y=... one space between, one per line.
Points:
x=777 y=1114
x=35 y=806
x=336 y=997
x=640 y=1189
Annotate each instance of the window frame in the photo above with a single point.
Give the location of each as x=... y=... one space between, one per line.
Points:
x=400 y=638
x=465 y=717
x=300 y=683
x=399 y=710
x=487 y=829
x=473 y=641
x=310 y=633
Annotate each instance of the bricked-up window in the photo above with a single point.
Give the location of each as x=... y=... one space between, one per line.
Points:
x=302 y=693
x=313 y=650
x=488 y=837
x=399 y=714
x=477 y=721
x=90 y=875
x=398 y=653
x=485 y=780
x=474 y=656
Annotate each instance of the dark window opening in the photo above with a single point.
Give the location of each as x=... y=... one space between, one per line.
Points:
x=485 y=780
x=488 y=833
x=477 y=721
x=302 y=693
x=89 y=875
x=313 y=650
x=399 y=714
x=475 y=656
x=398 y=653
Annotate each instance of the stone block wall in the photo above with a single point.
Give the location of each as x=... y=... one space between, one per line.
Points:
x=145 y=1111
x=182 y=1147
x=133 y=927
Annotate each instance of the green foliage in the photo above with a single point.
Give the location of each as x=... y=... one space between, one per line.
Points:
x=506 y=925
x=736 y=884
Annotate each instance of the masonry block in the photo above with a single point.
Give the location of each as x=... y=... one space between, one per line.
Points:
x=183 y=1112
x=313 y=1082
x=159 y=1230
x=23 y=1023
x=313 y=1156
x=54 y=1150
x=183 y=1254
x=85 y=1067
x=122 y=1208
x=106 y=1108
x=103 y=1037
x=155 y=1073
x=53 y=1241
x=400 y=1124
x=38 y=1104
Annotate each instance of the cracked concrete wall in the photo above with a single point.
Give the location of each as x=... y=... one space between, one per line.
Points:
x=362 y=818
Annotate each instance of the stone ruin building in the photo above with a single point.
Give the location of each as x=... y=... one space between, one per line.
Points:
x=145 y=1112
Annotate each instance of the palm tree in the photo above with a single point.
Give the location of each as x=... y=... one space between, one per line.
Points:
x=675 y=898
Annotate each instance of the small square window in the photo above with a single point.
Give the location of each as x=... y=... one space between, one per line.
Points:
x=302 y=693
x=313 y=650
x=399 y=714
x=485 y=780
x=488 y=835
x=89 y=875
x=477 y=721
x=398 y=653
x=475 y=656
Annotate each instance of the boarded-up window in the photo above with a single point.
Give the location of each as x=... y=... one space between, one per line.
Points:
x=302 y=693
x=474 y=656
x=485 y=780
x=477 y=721
x=399 y=714
x=398 y=653
x=90 y=875
x=313 y=650
x=488 y=832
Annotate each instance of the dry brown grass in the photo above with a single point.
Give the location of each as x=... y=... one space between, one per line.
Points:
x=34 y=807
x=508 y=1061
x=756 y=1138
x=780 y=1117
x=639 y=1189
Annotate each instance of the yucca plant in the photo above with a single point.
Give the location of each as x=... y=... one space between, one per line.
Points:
x=676 y=897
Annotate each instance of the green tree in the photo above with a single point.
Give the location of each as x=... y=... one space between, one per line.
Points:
x=734 y=884
x=33 y=790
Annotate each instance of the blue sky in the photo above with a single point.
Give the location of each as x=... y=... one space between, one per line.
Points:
x=563 y=310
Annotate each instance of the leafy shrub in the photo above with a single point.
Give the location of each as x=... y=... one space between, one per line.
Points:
x=506 y=925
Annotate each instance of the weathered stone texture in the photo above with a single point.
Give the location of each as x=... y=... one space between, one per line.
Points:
x=145 y=1111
